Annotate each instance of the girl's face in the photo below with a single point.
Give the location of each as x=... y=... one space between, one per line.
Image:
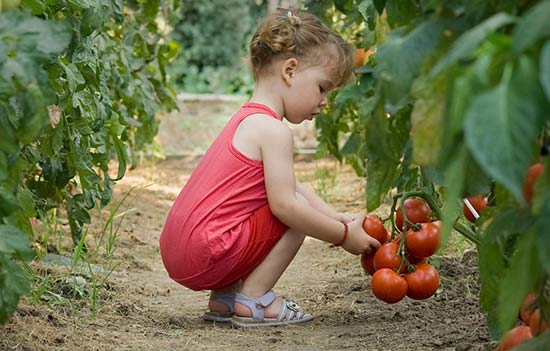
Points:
x=307 y=93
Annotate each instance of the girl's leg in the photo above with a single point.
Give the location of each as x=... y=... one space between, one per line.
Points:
x=216 y=306
x=267 y=273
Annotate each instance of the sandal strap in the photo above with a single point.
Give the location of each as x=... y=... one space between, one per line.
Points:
x=226 y=299
x=256 y=305
x=290 y=310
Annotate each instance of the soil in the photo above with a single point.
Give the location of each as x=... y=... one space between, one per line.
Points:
x=137 y=307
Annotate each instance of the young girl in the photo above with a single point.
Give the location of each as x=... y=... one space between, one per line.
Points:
x=242 y=216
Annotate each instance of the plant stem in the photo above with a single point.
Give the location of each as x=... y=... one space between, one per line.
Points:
x=467 y=233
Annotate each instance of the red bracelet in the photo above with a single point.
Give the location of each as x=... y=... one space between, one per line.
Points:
x=345 y=235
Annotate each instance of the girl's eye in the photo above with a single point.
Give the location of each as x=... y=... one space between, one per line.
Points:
x=321 y=89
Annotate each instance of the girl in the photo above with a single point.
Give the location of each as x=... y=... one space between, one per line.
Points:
x=242 y=216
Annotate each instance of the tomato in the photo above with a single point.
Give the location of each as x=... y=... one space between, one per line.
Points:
x=361 y=56
x=478 y=202
x=533 y=173
x=387 y=257
x=375 y=228
x=423 y=282
x=527 y=307
x=388 y=235
x=514 y=337
x=537 y=327
x=415 y=260
x=367 y=262
x=388 y=286
x=426 y=241
x=417 y=211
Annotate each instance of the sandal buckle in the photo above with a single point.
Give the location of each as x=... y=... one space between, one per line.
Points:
x=293 y=306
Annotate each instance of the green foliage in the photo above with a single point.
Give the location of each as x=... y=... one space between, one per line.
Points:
x=456 y=100
x=214 y=37
x=80 y=83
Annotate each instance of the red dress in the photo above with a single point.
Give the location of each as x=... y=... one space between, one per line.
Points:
x=220 y=226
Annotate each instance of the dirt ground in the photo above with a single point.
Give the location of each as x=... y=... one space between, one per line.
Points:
x=139 y=308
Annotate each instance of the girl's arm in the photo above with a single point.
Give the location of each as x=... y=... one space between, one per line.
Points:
x=275 y=141
x=319 y=204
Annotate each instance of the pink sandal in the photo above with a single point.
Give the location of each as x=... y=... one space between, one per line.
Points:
x=291 y=312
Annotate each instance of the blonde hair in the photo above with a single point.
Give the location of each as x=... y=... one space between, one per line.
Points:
x=287 y=34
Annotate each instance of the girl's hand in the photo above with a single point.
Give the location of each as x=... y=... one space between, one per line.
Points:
x=346 y=217
x=358 y=241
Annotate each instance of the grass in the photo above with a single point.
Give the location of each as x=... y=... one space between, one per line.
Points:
x=78 y=279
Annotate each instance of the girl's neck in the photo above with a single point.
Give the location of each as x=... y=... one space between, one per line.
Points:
x=266 y=94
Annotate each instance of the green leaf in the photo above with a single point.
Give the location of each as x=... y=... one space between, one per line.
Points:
x=501 y=125
x=401 y=12
x=385 y=143
x=518 y=281
x=83 y=4
x=426 y=119
x=74 y=77
x=400 y=61
x=37 y=6
x=151 y=9
x=544 y=71
x=13 y=284
x=14 y=242
x=543 y=239
x=454 y=178
x=533 y=26
x=467 y=42
x=379 y=5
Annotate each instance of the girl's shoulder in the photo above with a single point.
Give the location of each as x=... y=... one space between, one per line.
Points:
x=264 y=129
x=264 y=123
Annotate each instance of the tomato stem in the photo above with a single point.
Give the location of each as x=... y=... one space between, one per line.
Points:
x=467 y=233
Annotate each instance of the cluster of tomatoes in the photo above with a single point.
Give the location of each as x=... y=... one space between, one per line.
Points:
x=395 y=275
x=532 y=325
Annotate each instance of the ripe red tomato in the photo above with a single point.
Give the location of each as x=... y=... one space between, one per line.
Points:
x=417 y=211
x=533 y=173
x=375 y=228
x=423 y=282
x=514 y=337
x=537 y=326
x=426 y=241
x=387 y=257
x=388 y=286
x=478 y=202
x=527 y=307
x=367 y=262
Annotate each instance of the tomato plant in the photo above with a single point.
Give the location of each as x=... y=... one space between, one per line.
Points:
x=423 y=282
x=454 y=103
x=388 y=285
x=424 y=242
x=375 y=228
x=478 y=202
x=80 y=85
x=416 y=210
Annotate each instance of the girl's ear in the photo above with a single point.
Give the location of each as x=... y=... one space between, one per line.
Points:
x=288 y=70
